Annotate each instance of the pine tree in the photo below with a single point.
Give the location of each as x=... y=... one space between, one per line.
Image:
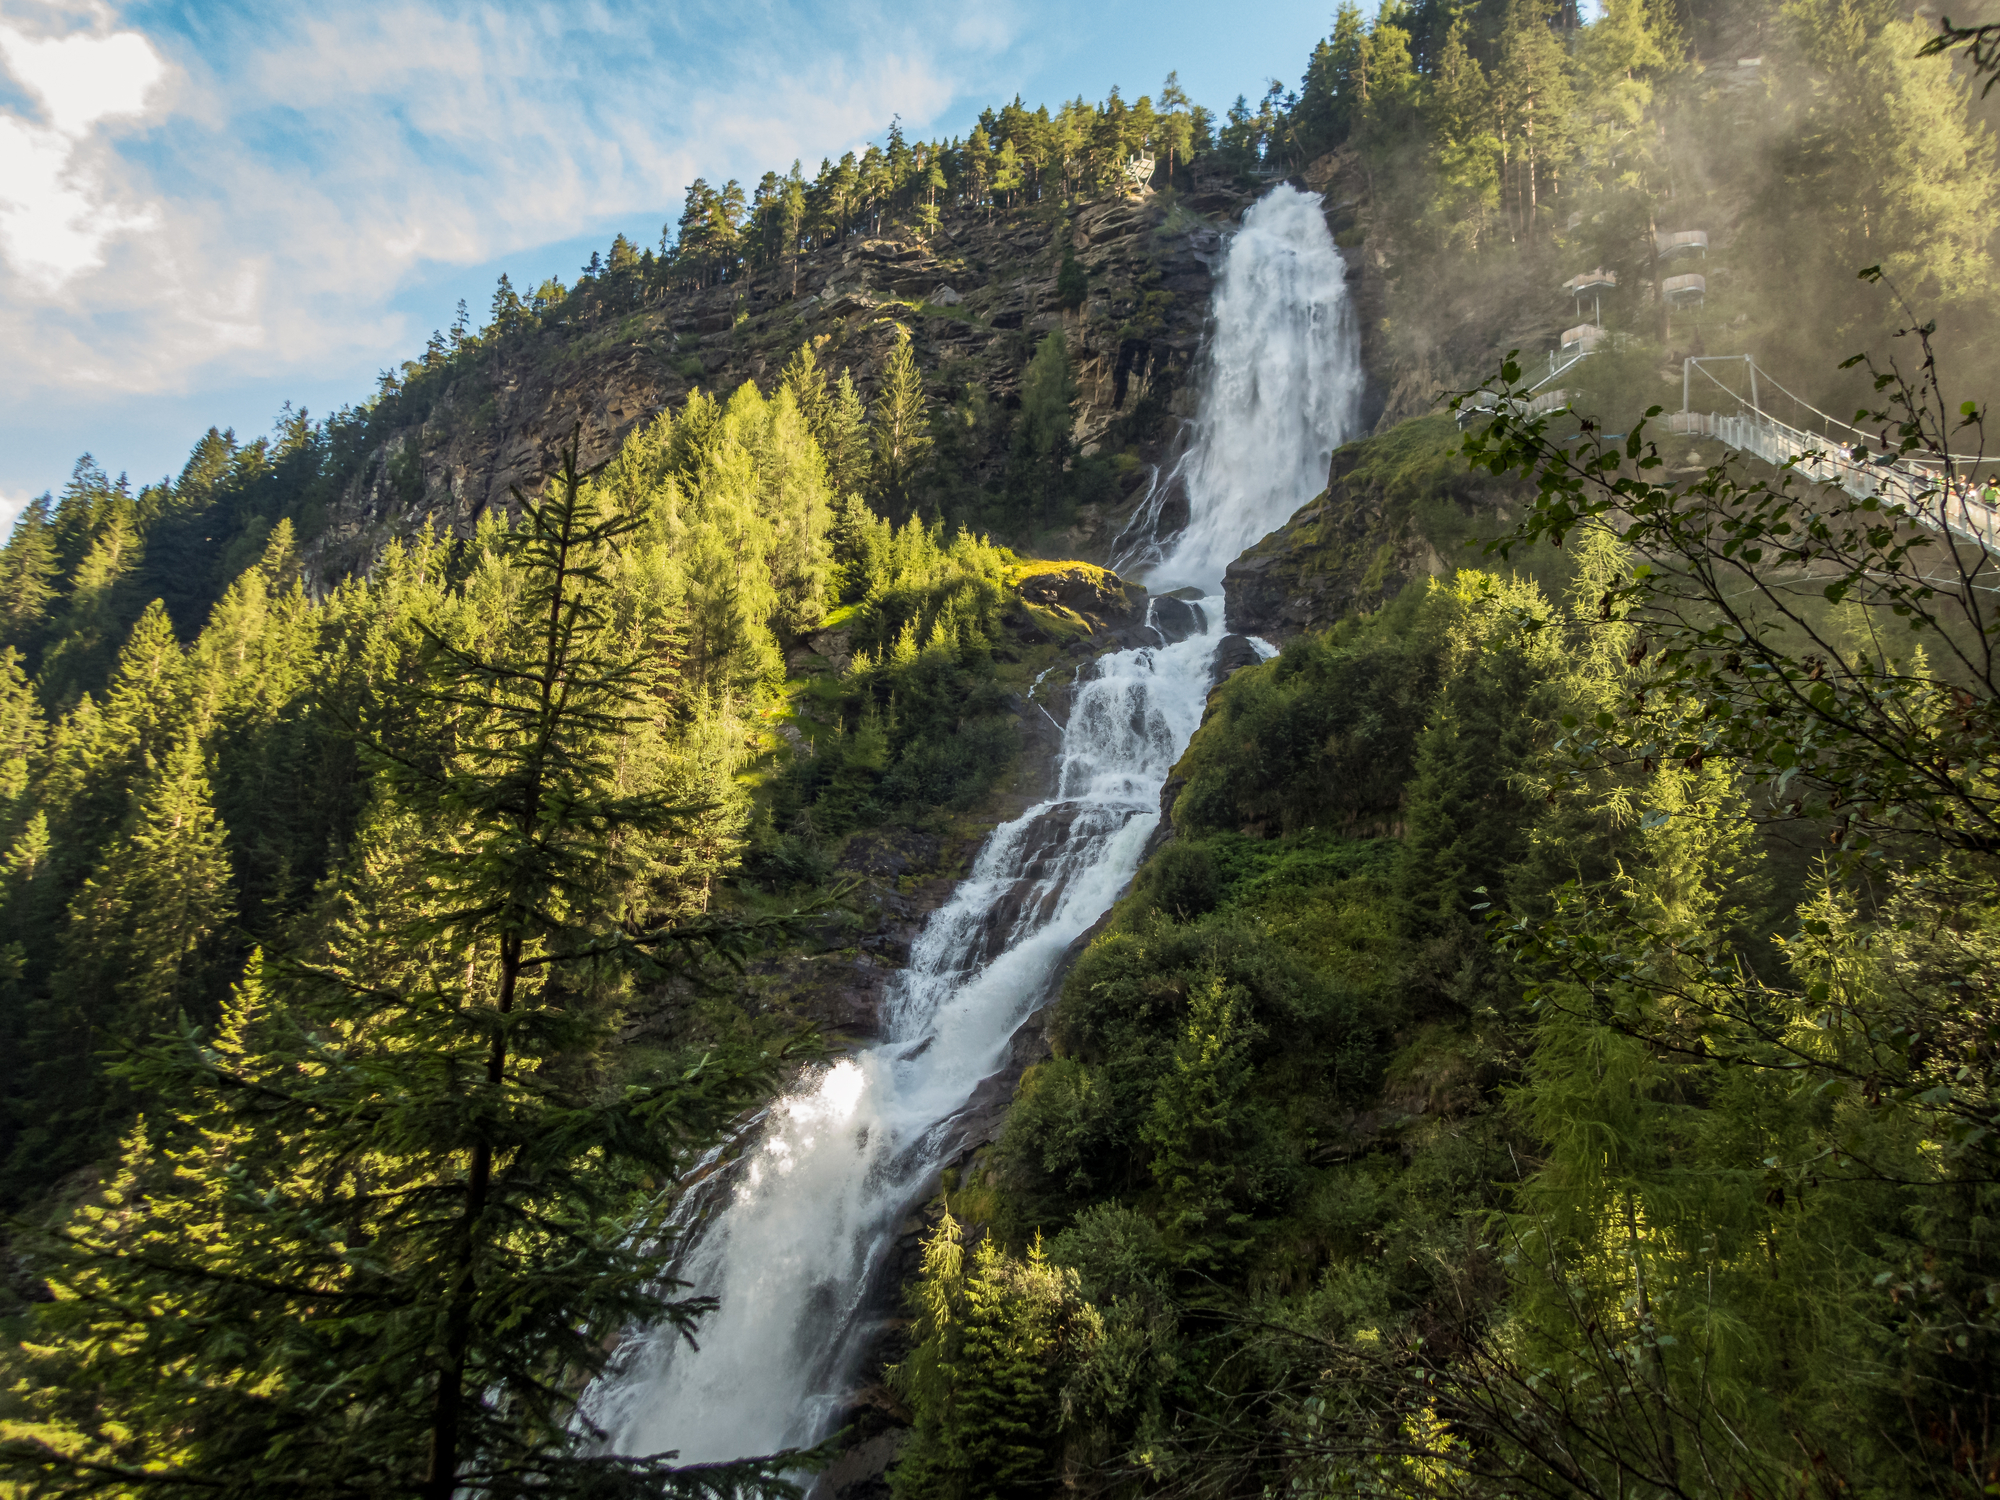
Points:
x=1533 y=87
x=28 y=571
x=1465 y=151
x=1044 y=431
x=1347 y=68
x=1072 y=281
x=1888 y=159
x=144 y=935
x=99 y=609
x=992 y=1342
x=22 y=736
x=803 y=377
x=1176 y=123
x=900 y=429
x=80 y=508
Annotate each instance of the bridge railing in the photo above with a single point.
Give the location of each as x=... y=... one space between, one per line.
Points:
x=1917 y=486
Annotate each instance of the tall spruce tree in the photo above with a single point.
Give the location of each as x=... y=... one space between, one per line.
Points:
x=901 y=429
x=1044 y=431
x=28 y=576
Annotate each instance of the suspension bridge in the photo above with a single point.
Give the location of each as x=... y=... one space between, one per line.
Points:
x=1940 y=495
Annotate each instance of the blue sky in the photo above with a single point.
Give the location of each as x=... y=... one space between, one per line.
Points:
x=207 y=209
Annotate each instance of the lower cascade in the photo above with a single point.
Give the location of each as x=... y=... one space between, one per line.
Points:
x=802 y=1219
x=817 y=1199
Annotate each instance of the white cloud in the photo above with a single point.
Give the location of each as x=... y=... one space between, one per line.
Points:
x=83 y=78
x=11 y=506
x=59 y=203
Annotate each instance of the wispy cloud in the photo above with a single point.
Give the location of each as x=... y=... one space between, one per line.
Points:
x=253 y=199
x=209 y=205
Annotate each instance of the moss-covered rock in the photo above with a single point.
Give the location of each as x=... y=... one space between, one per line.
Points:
x=1078 y=587
x=1396 y=507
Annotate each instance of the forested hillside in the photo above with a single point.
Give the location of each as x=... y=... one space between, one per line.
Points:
x=1547 y=1049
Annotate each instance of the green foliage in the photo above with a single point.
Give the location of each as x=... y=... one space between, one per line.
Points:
x=391 y=1187
x=734 y=548
x=1322 y=736
x=1044 y=431
x=899 y=430
x=917 y=719
x=1181 y=881
x=1685 y=1087
x=992 y=1341
x=1072 y=282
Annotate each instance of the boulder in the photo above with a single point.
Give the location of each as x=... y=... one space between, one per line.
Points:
x=1077 y=586
x=833 y=647
x=944 y=296
x=1176 y=619
x=844 y=304
x=891 y=250
x=1233 y=654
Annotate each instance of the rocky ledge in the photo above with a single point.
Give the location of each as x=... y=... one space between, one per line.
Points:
x=1396 y=507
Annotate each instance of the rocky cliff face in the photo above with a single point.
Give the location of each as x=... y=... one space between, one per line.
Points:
x=1397 y=506
x=975 y=295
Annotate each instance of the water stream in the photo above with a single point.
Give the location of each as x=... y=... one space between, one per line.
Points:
x=1278 y=390
x=812 y=1205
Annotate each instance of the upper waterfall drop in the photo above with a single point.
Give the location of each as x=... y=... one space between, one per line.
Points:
x=1279 y=389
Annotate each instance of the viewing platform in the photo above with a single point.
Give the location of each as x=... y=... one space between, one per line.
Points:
x=1685 y=291
x=1582 y=339
x=1590 y=281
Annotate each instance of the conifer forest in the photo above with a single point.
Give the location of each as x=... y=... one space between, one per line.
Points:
x=1293 y=797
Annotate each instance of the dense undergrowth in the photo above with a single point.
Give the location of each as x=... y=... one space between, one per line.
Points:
x=1363 y=1167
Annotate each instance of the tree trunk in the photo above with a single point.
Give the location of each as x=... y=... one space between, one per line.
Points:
x=448 y=1406
x=1528 y=163
x=1659 y=283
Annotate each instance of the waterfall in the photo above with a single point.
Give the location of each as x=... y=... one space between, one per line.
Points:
x=801 y=1220
x=819 y=1196
x=1279 y=389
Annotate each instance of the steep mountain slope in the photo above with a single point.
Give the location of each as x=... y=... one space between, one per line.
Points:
x=975 y=296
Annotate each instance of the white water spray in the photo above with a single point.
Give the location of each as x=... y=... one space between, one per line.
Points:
x=1280 y=389
x=819 y=1197
x=816 y=1200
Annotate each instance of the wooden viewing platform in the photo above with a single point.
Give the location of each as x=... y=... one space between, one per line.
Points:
x=1682 y=290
